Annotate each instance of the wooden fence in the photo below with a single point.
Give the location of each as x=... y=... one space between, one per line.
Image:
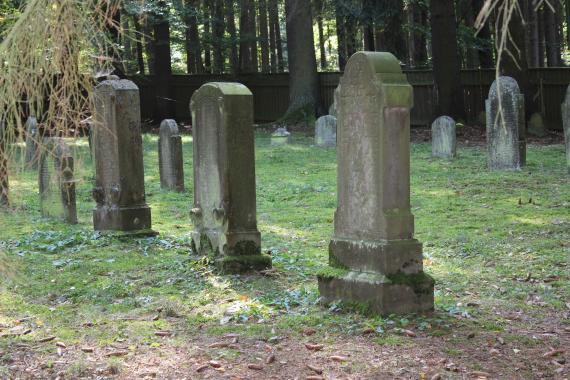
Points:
x=271 y=93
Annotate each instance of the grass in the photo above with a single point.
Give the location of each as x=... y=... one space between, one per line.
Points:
x=492 y=241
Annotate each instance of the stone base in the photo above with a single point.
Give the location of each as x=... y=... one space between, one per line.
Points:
x=397 y=294
x=241 y=264
x=122 y=219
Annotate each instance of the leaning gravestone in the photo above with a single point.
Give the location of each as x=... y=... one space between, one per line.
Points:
x=32 y=135
x=443 y=138
x=4 y=200
x=375 y=260
x=170 y=157
x=56 y=182
x=506 y=137
x=325 y=131
x=117 y=143
x=224 y=212
x=566 y=122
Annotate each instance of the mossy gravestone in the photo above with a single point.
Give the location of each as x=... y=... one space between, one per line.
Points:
x=117 y=142
x=56 y=182
x=374 y=259
x=4 y=200
x=443 y=138
x=170 y=157
x=224 y=212
x=325 y=131
x=566 y=123
x=506 y=137
x=32 y=136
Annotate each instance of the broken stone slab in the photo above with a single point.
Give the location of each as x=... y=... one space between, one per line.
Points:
x=325 y=132
x=443 y=138
x=170 y=158
x=280 y=137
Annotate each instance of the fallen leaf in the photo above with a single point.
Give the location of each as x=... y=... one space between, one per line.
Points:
x=309 y=332
x=553 y=353
x=116 y=354
x=214 y=364
x=314 y=378
x=437 y=376
x=256 y=367
x=47 y=339
x=480 y=374
x=315 y=369
x=163 y=333
x=314 y=347
x=338 y=358
x=409 y=333
x=270 y=359
x=60 y=344
x=202 y=367
x=87 y=349
x=218 y=345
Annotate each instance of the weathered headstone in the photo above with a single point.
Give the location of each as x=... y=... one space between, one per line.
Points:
x=566 y=123
x=117 y=141
x=536 y=125
x=32 y=136
x=506 y=137
x=4 y=186
x=333 y=106
x=443 y=138
x=325 y=131
x=170 y=157
x=224 y=212
x=374 y=259
x=280 y=137
x=56 y=181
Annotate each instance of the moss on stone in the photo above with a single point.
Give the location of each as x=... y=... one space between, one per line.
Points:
x=243 y=263
x=331 y=272
x=421 y=283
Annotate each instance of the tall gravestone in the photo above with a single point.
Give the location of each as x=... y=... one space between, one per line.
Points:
x=566 y=123
x=170 y=157
x=4 y=186
x=443 y=138
x=325 y=131
x=224 y=212
x=32 y=136
x=506 y=137
x=117 y=143
x=56 y=181
x=374 y=259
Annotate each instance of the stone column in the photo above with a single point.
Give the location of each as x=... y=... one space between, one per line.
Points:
x=4 y=200
x=224 y=213
x=170 y=157
x=506 y=137
x=117 y=142
x=325 y=132
x=374 y=259
x=443 y=138
x=566 y=123
x=32 y=136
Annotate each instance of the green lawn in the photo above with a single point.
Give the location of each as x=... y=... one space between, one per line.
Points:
x=497 y=244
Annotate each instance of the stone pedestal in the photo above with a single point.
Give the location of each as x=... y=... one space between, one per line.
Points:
x=56 y=182
x=566 y=123
x=224 y=212
x=325 y=132
x=32 y=136
x=506 y=136
x=117 y=142
x=374 y=259
x=443 y=138
x=4 y=200
x=170 y=157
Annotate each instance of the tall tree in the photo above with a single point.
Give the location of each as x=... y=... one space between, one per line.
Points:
x=276 y=30
x=264 y=36
x=207 y=36
x=388 y=16
x=446 y=64
x=192 y=44
x=340 y=14
x=162 y=63
x=231 y=22
x=247 y=38
x=218 y=35
x=484 y=35
x=319 y=11
x=139 y=45
x=551 y=35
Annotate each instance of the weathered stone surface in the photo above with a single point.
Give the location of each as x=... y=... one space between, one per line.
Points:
x=224 y=212
x=374 y=258
x=56 y=181
x=4 y=185
x=325 y=131
x=170 y=157
x=536 y=125
x=566 y=123
x=280 y=137
x=32 y=136
x=117 y=141
x=333 y=107
x=506 y=137
x=443 y=138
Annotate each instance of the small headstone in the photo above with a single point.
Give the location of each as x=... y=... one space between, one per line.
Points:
x=536 y=125
x=566 y=123
x=374 y=258
x=280 y=137
x=224 y=212
x=170 y=157
x=56 y=182
x=443 y=138
x=325 y=131
x=117 y=143
x=506 y=138
x=32 y=136
x=332 y=108
x=4 y=186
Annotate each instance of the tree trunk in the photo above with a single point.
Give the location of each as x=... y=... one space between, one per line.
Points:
x=163 y=67
x=368 y=24
x=248 y=46
x=272 y=35
x=231 y=21
x=207 y=38
x=541 y=45
x=304 y=96
x=341 y=35
x=320 y=26
x=276 y=28
x=253 y=42
x=550 y=32
x=149 y=44
x=140 y=58
x=263 y=36
x=532 y=33
x=446 y=65
x=420 y=41
x=390 y=38
x=218 y=35
x=192 y=44
x=410 y=35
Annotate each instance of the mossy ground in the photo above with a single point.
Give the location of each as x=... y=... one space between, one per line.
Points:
x=497 y=245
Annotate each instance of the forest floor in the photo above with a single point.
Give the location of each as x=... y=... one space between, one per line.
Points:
x=86 y=305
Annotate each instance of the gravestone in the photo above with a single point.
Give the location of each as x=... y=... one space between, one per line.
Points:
x=566 y=123
x=224 y=212
x=32 y=136
x=56 y=182
x=536 y=125
x=325 y=131
x=506 y=137
x=332 y=108
x=280 y=137
x=443 y=138
x=374 y=259
x=117 y=144
x=4 y=186
x=170 y=157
